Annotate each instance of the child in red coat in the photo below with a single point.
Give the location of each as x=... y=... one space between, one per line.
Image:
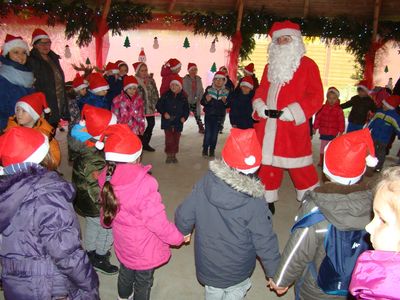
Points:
x=329 y=120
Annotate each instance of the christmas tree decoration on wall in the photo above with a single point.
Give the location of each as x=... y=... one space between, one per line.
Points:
x=186 y=43
x=142 y=55
x=67 y=52
x=127 y=43
x=213 y=68
x=155 y=43
x=88 y=61
x=386 y=69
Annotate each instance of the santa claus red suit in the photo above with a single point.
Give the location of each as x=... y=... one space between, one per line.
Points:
x=290 y=93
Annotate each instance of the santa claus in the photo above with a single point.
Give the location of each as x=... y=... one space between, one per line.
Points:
x=290 y=93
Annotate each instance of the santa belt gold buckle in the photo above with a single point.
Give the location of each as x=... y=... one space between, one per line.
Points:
x=273 y=113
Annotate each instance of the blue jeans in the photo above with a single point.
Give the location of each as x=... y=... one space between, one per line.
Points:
x=134 y=282
x=235 y=292
x=353 y=127
x=212 y=124
x=97 y=238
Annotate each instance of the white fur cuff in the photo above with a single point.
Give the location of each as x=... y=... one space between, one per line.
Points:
x=297 y=112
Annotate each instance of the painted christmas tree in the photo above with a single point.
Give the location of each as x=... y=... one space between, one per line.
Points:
x=186 y=43
x=88 y=61
x=214 y=68
x=386 y=69
x=127 y=43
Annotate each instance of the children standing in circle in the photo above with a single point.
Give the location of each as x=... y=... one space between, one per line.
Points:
x=132 y=206
x=376 y=274
x=329 y=121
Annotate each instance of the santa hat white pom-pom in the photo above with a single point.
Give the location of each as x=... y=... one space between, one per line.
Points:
x=47 y=110
x=251 y=160
x=82 y=122
x=371 y=161
x=99 y=145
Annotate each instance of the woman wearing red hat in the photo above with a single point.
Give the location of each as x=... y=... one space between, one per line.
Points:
x=16 y=79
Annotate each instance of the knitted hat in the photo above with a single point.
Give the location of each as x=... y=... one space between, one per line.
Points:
x=22 y=144
x=249 y=69
x=121 y=144
x=346 y=157
x=220 y=74
x=177 y=80
x=364 y=85
x=242 y=150
x=247 y=81
x=130 y=81
x=112 y=67
x=34 y=104
x=174 y=64
x=79 y=83
x=279 y=29
x=14 y=42
x=392 y=102
x=191 y=66
x=39 y=34
x=96 y=119
x=138 y=65
x=334 y=90
x=97 y=83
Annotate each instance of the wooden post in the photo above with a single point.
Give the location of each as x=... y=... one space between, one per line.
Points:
x=240 y=5
x=102 y=30
x=377 y=10
x=306 y=8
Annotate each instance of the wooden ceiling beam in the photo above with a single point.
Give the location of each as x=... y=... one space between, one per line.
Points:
x=306 y=10
x=377 y=10
x=171 y=5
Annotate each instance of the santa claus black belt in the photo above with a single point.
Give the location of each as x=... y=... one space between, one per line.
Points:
x=273 y=113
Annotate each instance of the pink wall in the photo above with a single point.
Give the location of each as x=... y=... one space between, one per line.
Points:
x=389 y=56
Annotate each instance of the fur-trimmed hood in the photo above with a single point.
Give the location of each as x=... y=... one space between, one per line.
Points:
x=228 y=189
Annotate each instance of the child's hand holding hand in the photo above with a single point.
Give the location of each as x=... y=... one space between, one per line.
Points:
x=208 y=97
x=186 y=238
x=183 y=120
x=167 y=116
x=279 y=290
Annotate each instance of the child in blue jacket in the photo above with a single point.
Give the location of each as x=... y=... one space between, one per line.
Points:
x=240 y=104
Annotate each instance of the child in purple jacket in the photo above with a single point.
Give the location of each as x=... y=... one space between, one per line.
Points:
x=40 y=248
x=132 y=206
x=376 y=274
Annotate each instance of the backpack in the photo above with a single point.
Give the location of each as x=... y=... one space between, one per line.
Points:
x=342 y=250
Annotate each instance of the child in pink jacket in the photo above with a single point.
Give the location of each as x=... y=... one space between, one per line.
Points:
x=376 y=274
x=132 y=206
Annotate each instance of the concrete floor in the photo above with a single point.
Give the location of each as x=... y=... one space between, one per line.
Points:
x=177 y=279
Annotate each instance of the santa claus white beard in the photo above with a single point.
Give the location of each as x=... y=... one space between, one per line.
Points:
x=283 y=60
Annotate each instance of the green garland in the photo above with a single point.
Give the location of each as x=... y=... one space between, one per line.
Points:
x=341 y=30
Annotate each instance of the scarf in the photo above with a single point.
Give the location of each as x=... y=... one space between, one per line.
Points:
x=16 y=73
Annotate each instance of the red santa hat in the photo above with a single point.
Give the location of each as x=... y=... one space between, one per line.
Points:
x=249 y=69
x=130 y=81
x=191 y=66
x=334 y=90
x=137 y=66
x=242 y=150
x=247 y=81
x=364 y=86
x=279 y=29
x=177 y=80
x=79 y=83
x=220 y=74
x=346 y=157
x=121 y=144
x=112 y=67
x=14 y=42
x=120 y=63
x=224 y=70
x=392 y=102
x=22 y=144
x=34 y=104
x=96 y=120
x=97 y=83
x=39 y=34
x=174 y=64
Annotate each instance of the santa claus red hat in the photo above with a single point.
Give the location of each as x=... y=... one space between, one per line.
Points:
x=363 y=84
x=174 y=64
x=14 y=42
x=130 y=81
x=279 y=29
x=22 y=144
x=34 y=104
x=177 y=80
x=137 y=66
x=39 y=34
x=392 y=102
x=97 y=83
x=249 y=69
x=191 y=66
x=346 y=157
x=220 y=74
x=334 y=90
x=242 y=150
x=121 y=144
x=79 y=83
x=112 y=67
x=96 y=120
x=247 y=81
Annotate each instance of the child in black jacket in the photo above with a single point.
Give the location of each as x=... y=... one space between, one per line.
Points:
x=240 y=104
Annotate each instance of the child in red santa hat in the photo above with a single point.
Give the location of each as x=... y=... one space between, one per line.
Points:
x=174 y=109
x=250 y=71
x=232 y=220
x=171 y=68
x=128 y=106
x=329 y=120
x=79 y=90
x=96 y=95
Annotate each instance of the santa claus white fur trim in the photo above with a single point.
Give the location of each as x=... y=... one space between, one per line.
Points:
x=298 y=113
x=286 y=31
